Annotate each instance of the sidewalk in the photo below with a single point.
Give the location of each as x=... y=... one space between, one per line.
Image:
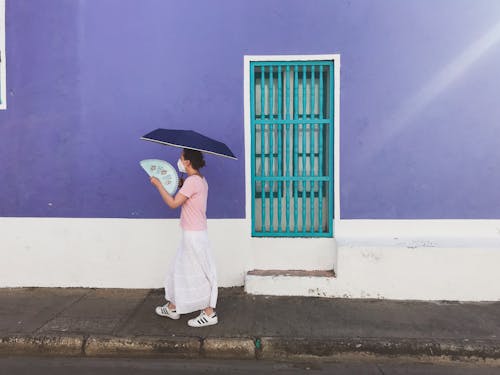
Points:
x=111 y=322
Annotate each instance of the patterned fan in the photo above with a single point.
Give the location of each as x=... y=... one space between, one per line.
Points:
x=163 y=171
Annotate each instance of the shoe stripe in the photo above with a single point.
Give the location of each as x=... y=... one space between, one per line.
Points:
x=165 y=311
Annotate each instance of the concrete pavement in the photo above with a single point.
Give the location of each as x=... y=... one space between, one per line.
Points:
x=121 y=322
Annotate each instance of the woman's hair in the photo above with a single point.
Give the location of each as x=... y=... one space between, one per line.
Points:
x=195 y=157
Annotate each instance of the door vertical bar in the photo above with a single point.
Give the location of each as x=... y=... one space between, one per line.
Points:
x=287 y=98
x=312 y=184
x=295 y=145
x=280 y=135
x=271 y=149
x=262 y=145
x=320 y=156
x=304 y=135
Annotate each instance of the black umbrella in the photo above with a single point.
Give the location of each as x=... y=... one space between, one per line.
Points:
x=189 y=139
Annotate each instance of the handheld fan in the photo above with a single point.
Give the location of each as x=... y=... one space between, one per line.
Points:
x=163 y=171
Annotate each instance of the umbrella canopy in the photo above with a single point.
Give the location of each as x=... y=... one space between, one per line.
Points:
x=189 y=139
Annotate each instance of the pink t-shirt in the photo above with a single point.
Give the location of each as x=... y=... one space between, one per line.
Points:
x=194 y=209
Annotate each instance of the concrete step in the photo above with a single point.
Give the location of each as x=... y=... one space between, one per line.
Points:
x=290 y=283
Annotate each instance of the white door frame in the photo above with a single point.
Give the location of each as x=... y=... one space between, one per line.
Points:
x=336 y=143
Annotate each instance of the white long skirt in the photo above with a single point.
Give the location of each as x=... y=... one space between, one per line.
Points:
x=191 y=281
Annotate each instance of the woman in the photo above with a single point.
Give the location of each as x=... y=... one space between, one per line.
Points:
x=191 y=282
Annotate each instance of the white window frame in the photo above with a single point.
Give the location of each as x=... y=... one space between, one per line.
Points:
x=246 y=106
x=3 y=65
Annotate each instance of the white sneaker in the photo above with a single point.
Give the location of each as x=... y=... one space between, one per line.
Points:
x=166 y=311
x=203 y=320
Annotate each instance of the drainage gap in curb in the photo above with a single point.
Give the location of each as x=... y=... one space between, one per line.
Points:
x=84 y=344
x=201 y=352
x=258 y=347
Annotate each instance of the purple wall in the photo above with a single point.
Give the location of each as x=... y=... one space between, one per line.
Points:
x=419 y=101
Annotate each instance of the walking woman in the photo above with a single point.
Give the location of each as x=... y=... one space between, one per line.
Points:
x=191 y=281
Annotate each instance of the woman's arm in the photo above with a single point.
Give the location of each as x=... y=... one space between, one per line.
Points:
x=167 y=198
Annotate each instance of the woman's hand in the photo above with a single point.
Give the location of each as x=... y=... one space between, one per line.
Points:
x=172 y=202
x=155 y=182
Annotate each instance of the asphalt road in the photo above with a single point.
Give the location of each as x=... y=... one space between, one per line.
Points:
x=122 y=366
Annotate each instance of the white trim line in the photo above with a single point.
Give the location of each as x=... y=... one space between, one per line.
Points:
x=336 y=142
x=446 y=229
x=247 y=148
x=336 y=122
x=330 y=57
x=3 y=63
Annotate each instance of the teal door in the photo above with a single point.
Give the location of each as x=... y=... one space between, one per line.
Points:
x=292 y=117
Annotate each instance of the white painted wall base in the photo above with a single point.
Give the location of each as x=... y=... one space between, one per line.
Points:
x=427 y=260
x=134 y=253
x=419 y=270
x=421 y=260
x=293 y=253
x=279 y=285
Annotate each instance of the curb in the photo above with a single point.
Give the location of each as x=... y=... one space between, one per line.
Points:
x=267 y=348
x=106 y=346
x=273 y=347
x=229 y=348
x=68 y=345
x=135 y=346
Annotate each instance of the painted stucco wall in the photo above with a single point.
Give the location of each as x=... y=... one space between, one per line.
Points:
x=419 y=101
